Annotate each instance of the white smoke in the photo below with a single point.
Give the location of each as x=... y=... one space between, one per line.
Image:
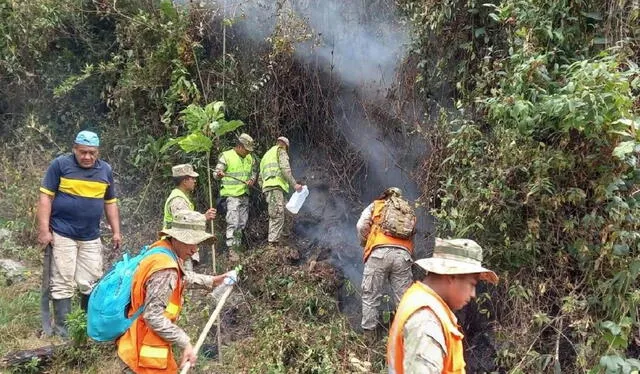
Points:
x=362 y=43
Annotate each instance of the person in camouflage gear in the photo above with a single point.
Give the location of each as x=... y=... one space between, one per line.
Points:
x=276 y=179
x=386 y=259
x=158 y=286
x=184 y=179
x=425 y=336
x=237 y=171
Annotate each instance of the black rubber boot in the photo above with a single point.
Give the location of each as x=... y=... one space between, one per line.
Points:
x=61 y=308
x=84 y=302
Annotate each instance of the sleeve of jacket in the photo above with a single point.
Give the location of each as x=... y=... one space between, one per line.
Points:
x=159 y=287
x=197 y=280
x=363 y=226
x=285 y=167
x=220 y=166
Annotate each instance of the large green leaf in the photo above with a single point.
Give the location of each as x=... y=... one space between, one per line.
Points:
x=195 y=142
x=227 y=126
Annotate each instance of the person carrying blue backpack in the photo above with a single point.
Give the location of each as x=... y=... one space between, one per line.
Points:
x=157 y=287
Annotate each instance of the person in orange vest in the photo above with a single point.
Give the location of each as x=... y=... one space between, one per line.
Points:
x=385 y=258
x=425 y=336
x=146 y=347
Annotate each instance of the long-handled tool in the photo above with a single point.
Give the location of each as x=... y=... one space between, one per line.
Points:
x=45 y=295
x=207 y=327
x=245 y=182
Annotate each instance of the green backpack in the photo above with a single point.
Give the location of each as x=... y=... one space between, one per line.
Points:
x=398 y=218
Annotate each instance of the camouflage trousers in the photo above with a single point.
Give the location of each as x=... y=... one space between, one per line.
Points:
x=279 y=221
x=390 y=264
x=237 y=216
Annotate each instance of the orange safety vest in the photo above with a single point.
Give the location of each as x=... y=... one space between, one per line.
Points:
x=377 y=237
x=419 y=296
x=140 y=347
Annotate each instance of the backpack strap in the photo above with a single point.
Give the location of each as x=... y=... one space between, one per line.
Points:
x=146 y=251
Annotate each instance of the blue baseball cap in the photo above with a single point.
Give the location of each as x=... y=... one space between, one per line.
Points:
x=87 y=138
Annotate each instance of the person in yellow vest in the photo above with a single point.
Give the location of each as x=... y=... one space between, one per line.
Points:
x=425 y=336
x=276 y=179
x=146 y=347
x=386 y=258
x=184 y=179
x=238 y=171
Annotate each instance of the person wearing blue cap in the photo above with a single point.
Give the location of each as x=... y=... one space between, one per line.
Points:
x=76 y=191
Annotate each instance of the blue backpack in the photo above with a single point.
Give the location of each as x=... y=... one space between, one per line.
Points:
x=111 y=297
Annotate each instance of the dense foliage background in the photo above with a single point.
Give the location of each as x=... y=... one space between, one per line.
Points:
x=530 y=109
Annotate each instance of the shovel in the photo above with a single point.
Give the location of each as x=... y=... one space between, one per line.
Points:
x=45 y=295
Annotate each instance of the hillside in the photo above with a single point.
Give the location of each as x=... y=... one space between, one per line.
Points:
x=511 y=122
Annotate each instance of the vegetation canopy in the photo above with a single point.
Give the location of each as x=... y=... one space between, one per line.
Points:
x=529 y=110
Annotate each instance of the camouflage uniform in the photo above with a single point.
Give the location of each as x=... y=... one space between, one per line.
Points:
x=276 y=200
x=237 y=208
x=237 y=216
x=386 y=263
x=175 y=205
x=159 y=288
x=424 y=343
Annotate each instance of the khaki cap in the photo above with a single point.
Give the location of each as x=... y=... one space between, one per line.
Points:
x=284 y=140
x=457 y=256
x=183 y=170
x=246 y=141
x=188 y=227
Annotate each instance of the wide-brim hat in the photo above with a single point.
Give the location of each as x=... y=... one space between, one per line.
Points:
x=457 y=256
x=189 y=227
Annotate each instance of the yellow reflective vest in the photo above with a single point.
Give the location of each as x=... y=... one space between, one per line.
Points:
x=270 y=172
x=239 y=168
x=168 y=217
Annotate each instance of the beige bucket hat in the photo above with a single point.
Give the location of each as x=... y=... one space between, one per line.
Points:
x=246 y=141
x=188 y=227
x=183 y=170
x=457 y=256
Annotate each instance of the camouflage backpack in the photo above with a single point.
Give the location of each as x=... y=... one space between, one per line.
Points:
x=398 y=218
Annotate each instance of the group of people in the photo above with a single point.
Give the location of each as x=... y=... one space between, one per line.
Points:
x=238 y=173
x=424 y=336
x=78 y=189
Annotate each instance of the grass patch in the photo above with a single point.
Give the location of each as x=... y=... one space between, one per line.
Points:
x=19 y=315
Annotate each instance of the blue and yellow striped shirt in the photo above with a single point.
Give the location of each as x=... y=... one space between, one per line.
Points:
x=79 y=196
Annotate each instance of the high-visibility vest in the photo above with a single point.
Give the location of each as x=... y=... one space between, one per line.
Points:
x=168 y=217
x=141 y=348
x=377 y=237
x=237 y=167
x=270 y=172
x=419 y=296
